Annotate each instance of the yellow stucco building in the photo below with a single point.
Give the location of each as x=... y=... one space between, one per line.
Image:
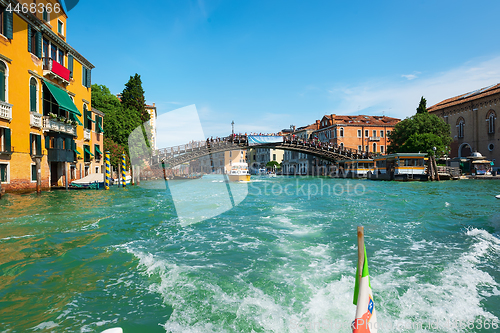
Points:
x=48 y=128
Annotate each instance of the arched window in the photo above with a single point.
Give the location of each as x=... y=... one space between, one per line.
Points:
x=490 y=118
x=3 y=82
x=460 y=127
x=33 y=95
x=341 y=145
x=341 y=132
x=374 y=147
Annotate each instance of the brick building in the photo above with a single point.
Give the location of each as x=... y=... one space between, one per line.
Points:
x=364 y=133
x=472 y=119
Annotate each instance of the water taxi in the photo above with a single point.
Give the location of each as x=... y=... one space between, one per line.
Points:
x=401 y=166
x=239 y=173
x=358 y=168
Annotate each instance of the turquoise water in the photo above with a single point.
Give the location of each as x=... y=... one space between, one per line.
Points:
x=281 y=260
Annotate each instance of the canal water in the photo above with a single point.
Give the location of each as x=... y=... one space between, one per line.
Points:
x=280 y=257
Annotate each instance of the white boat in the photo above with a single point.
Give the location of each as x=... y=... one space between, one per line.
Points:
x=271 y=174
x=239 y=173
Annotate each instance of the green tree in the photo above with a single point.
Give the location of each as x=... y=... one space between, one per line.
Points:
x=422 y=106
x=133 y=97
x=420 y=133
x=273 y=165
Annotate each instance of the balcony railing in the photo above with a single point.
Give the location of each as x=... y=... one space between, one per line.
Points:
x=86 y=134
x=5 y=110
x=51 y=124
x=36 y=120
x=55 y=70
x=374 y=138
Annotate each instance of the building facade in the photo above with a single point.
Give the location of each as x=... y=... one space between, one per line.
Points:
x=48 y=129
x=222 y=162
x=151 y=109
x=295 y=163
x=472 y=119
x=364 y=133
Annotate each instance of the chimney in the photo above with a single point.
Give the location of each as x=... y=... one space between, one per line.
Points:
x=317 y=124
x=154 y=105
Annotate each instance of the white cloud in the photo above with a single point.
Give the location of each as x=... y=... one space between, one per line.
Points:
x=409 y=76
x=400 y=99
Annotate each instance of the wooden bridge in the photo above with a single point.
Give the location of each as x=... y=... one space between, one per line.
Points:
x=177 y=155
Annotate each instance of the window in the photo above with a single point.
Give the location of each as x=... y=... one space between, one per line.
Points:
x=381 y=134
x=32 y=40
x=460 y=127
x=360 y=148
x=341 y=132
x=3 y=82
x=491 y=146
x=5 y=140
x=4 y=172
x=388 y=133
x=382 y=148
x=33 y=173
x=33 y=95
x=53 y=52
x=491 y=122
x=60 y=27
x=366 y=133
x=359 y=133
x=374 y=133
x=342 y=145
x=374 y=147
x=60 y=58
x=86 y=77
x=45 y=15
x=87 y=120
x=6 y=19
x=98 y=153
x=35 y=145
x=366 y=148
x=274 y=157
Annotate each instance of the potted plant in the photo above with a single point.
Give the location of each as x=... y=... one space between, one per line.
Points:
x=52 y=115
x=74 y=123
x=68 y=121
x=60 y=118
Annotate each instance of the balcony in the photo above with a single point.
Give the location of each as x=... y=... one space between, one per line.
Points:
x=374 y=138
x=86 y=134
x=36 y=119
x=53 y=124
x=54 y=70
x=5 y=111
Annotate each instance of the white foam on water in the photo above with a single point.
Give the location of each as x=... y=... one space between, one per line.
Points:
x=454 y=296
x=47 y=325
x=16 y=237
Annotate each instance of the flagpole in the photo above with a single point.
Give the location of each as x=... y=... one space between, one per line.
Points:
x=361 y=252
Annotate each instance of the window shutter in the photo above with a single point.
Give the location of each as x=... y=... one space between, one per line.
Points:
x=8 y=24
x=84 y=76
x=32 y=98
x=31 y=143
x=29 y=38
x=70 y=65
x=38 y=139
x=47 y=142
x=68 y=143
x=7 y=139
x=38 y=50
x=89 y=78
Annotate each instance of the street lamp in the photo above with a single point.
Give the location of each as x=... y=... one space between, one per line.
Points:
x=232 y=125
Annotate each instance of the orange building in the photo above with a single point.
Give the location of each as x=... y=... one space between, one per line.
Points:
x=48 y=130
x=364 y=133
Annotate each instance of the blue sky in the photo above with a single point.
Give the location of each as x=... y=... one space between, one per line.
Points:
x=269 y=64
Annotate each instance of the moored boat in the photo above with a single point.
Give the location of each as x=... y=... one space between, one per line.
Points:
x=239 y=173
x=401 y=166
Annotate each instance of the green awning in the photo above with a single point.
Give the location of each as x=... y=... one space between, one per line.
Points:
x=88 y=151
x=62 y=98
x=97 y=150
x=75 y=118
x=100 y=127
x=90 y=118
x=76 y=151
